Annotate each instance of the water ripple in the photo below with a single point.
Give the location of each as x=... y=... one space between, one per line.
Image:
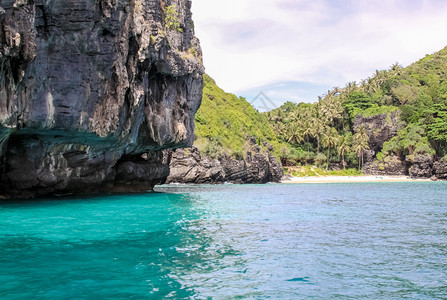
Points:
x=328 y=241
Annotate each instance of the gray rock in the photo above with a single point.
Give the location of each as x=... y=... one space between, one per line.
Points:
x=440 y=169
x=392 y=165
x=421 y=166
x=189 y=166
x=380 y=128
x=87 y=87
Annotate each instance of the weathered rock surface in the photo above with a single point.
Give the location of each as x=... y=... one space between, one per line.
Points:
x=189 y=166
x=392 y=165
x=440 y=169
x=421 y=166
x=384 y=127
x=380 y=129
x=91 y=92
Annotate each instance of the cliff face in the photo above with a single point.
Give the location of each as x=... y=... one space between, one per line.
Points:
x=384 y=127
x=380 y=129
x=91 y=91
x=189 y=166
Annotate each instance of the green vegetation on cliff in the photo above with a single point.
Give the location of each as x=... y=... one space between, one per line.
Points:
x=399 y=112
x=225 y=124
x=412 y=99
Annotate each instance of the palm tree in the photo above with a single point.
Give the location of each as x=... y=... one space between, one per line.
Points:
x=330 y=139
x=335 y=111
x=350 y=87
x=395 y=69
x=306 y=122
x=360 y=143
x=294 y=133
x=317 y=129
x=344 y=146
x=276 y=120
x=319 y=159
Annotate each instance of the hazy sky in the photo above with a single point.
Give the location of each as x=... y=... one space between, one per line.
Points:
x=297 y=49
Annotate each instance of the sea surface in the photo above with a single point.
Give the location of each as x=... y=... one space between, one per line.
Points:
x=274 y=241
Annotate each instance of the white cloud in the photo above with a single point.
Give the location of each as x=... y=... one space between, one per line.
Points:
x=250 y=43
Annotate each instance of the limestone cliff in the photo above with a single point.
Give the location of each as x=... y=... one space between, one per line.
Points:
x=382 y=128
x=190 y=166
x=91 y=91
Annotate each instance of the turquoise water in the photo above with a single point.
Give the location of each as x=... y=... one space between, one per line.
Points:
x=322 y=241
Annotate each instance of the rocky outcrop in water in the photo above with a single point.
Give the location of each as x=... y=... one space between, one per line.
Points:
x=189 y=166
x=92 y=91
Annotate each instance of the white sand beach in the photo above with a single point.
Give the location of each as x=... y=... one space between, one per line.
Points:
x=341 y=179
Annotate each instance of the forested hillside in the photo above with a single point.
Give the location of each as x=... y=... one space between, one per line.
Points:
x=344 y=126
x=226 y=124
x=234 y=143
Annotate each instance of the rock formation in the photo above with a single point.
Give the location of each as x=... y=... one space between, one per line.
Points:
x=392 y=165
x=380 y=129
x=384 y=127
x=421 y=166
x=189 y=166
x=92 y=91
x=440 y=169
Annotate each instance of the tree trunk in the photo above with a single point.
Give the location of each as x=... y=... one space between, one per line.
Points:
x=318 y=144
x=362 y=161
x=328 y=154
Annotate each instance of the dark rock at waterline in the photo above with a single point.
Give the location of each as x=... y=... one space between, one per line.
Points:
x=421 y=166
x=392 y=165
x=189 y=166
x=440 y=169
x=92 y=92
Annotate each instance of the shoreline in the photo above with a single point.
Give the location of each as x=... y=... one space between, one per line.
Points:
x=352 y=179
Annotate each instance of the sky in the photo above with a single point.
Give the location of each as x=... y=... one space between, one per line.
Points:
x=273 y=51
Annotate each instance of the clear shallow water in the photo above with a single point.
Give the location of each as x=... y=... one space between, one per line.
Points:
x=325 y=241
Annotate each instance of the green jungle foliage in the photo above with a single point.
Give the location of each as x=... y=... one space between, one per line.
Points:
x=225 y=124
x=171 y=18
x=322 y=133
x=310 y=171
